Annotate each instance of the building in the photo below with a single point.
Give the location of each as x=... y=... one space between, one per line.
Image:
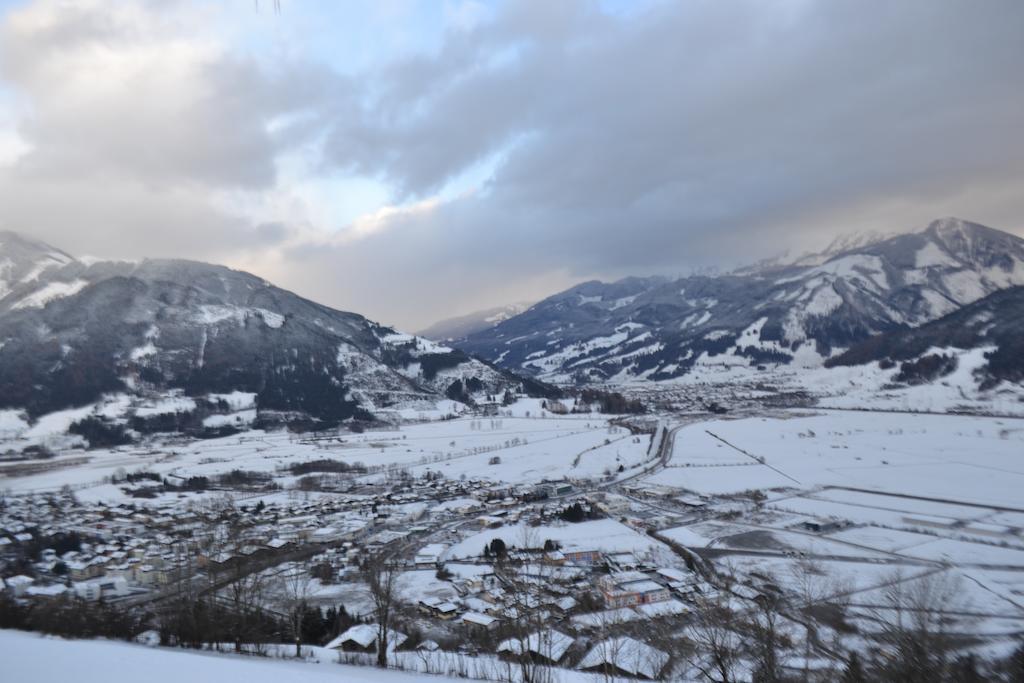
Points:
x=629 y=589
x=545 y=647
x=478 y=621
x=624 y=657
x=430 y=555
x=363 y=638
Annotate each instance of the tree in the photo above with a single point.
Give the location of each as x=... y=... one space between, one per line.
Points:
x=767 y=643
x=381 y=577
x=914 y=634
x=716 y=646
x=294 y=587
x=854 y=672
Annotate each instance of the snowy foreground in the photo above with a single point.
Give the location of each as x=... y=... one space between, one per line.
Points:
x=31 y=658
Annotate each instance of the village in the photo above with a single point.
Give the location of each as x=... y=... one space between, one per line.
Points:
x=555 y=542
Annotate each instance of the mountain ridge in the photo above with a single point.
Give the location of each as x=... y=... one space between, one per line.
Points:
x=656 y=328
x=76 y=334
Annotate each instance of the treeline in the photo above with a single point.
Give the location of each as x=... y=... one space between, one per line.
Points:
x=234 y=479
x=612 y=402
x=326 y=465
x=72 y=617
x=188 y=621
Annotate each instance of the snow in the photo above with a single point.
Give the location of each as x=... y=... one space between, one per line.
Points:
x=627 y=654
x=965 y=286
x=166 y=405
x=931 y=255
x=606 y=535
x=12 y=423
x=271 y=319
x=51 y=292
x=236 y=419
x=30 y=657
x=143 y=352
x=236 y=400
x=939 y=456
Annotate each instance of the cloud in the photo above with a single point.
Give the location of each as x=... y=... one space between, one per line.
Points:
x=524 y=146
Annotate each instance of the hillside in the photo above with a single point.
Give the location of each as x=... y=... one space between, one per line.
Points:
x=471 y=323
x=994 y=324
x=798 y=313
x=180 y=336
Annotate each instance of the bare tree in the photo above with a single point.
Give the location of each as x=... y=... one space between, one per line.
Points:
x=381 y=576
x=716 y=645
x=766 y=638
x=293 y=584
x=914 y=617
x=525 y=620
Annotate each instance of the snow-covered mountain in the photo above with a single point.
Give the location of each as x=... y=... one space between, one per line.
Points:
x=988 y=334
x=173 y=343
x=801 y=312
x=24 y=265
x=471 y=323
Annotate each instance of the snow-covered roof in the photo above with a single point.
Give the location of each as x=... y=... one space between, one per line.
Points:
x=550 y=644
x=365 y=635
x=478 y=619
x=626 y=654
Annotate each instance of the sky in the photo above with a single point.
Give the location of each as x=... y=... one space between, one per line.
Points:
x=416 y=160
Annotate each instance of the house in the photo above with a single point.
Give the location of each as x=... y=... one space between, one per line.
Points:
x=624 y=656
x=478 y=621
x=545 y=647
x=17 y=585
x=587 y=557
x=363 y=638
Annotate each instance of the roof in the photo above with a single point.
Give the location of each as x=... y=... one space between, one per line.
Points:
x=550 y=643
x=478 y=619
x=642 y=586
x=626 y=654
x=365 y=635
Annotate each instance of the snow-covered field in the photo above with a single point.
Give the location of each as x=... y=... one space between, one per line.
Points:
x=607 y=535
x=868 y=500
x=522 y=449
x=960 y=458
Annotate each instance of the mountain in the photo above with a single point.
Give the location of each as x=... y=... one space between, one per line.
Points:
x=471 y=323
x=801 y=312
x=176 y=344
x=25 y=262
x=990 y=330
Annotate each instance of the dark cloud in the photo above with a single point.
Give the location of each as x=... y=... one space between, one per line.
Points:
x=682 y=135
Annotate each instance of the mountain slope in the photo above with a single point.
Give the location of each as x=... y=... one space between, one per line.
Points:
x=994 y=325
x=471 y=323
x=801 y=313
x=160 y=329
